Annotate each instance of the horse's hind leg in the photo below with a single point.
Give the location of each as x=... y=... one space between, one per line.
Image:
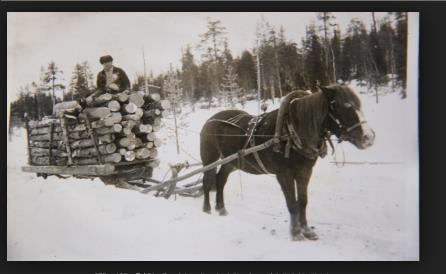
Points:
x=208 y=182
x=209 y=154
x=222 y=177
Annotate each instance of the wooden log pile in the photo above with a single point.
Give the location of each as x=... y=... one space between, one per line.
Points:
x=111 y=128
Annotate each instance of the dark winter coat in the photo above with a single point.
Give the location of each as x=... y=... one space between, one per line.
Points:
x=123 y=81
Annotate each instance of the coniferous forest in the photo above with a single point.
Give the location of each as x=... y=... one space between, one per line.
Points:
x=374 y=55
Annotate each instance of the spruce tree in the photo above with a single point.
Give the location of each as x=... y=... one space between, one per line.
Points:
x=189 y=75
x=246 y=71
x=212 y=43
x=229 y=87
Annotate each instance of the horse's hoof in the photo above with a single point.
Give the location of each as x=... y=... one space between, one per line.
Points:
x=298 y=237
x=310 y=234
x=207 y=209
x=223 y=212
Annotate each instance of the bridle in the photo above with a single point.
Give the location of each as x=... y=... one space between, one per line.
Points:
x=344 y=130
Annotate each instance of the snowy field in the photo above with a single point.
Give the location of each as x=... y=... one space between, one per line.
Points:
x=366 y=211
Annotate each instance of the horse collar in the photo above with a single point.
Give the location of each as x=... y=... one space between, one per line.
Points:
x=295 y=142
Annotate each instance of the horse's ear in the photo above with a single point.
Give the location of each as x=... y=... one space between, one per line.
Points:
x=328 y=92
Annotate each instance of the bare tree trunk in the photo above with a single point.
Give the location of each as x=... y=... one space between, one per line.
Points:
x=53 y=97
x=326 y=45
x=259 y=84
x=176 y=129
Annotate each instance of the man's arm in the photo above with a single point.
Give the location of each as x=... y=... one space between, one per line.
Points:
x=100 y=86
x=100 y=81
x=125 y=82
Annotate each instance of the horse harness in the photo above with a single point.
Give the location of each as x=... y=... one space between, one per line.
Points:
x=252 y=126
x=293 y=140
x=290 y=136
x=342 y=128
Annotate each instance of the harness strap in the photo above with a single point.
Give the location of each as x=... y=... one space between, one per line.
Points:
x=237 y=118
x=338 y=123
x=293 y=135
x=229 y=123
x=257 y=157
x=252 y=127
x=355 y=126
x=249 y=133
x=331 y=144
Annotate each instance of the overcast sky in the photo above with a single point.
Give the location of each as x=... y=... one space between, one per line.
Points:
x=35 y=39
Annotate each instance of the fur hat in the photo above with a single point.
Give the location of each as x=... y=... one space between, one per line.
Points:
x=105 y=59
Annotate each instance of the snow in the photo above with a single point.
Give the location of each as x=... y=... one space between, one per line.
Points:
x=360 y=211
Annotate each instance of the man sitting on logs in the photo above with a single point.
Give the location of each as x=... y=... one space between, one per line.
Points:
x=111 y=79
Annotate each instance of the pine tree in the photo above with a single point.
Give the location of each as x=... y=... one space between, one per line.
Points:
x=172 y=87
x=81 y=81
x=88 y=75
x=376 y=47
x=174 y=94
x=53 y=77
x=227 y=55
x=189 y=75
x=246 y=71
x=290 y=63
x=357 y=47
x=212 y=42
x=203 y=82
x=401 y=49
x=329 y=61
x=230 y=90
x=336 y=46
x=314 y=61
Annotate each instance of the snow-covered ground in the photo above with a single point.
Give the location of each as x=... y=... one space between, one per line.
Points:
x=363 y=211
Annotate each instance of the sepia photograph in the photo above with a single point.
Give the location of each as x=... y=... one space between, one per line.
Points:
x=212 y=136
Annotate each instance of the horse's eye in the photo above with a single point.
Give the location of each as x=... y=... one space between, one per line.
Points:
x=347 y=105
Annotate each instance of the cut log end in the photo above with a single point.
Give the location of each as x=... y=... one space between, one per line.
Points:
x=130 y=156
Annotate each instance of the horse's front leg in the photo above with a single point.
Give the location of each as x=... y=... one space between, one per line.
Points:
x=302 y=178
x=287 y=184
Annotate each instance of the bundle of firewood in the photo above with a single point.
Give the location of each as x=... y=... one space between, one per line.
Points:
x=111 y=128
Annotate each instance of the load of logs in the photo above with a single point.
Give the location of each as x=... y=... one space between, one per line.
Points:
x=111 y=128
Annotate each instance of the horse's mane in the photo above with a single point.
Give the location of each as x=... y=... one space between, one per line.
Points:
x=344 y=94
x=308 y=114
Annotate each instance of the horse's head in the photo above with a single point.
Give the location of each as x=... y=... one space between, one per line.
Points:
x=345 y=118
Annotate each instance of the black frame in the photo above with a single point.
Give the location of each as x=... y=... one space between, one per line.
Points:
x=431 y=69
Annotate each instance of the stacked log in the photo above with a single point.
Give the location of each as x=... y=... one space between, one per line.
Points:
x=111 y=128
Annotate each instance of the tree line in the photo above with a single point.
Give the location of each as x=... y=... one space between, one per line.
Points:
x=275 y=63
x=37 y=99
x=324 y=56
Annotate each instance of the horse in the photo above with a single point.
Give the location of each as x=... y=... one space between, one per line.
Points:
x=311 y=120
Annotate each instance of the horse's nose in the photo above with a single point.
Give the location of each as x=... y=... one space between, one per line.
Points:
x=369 y=137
